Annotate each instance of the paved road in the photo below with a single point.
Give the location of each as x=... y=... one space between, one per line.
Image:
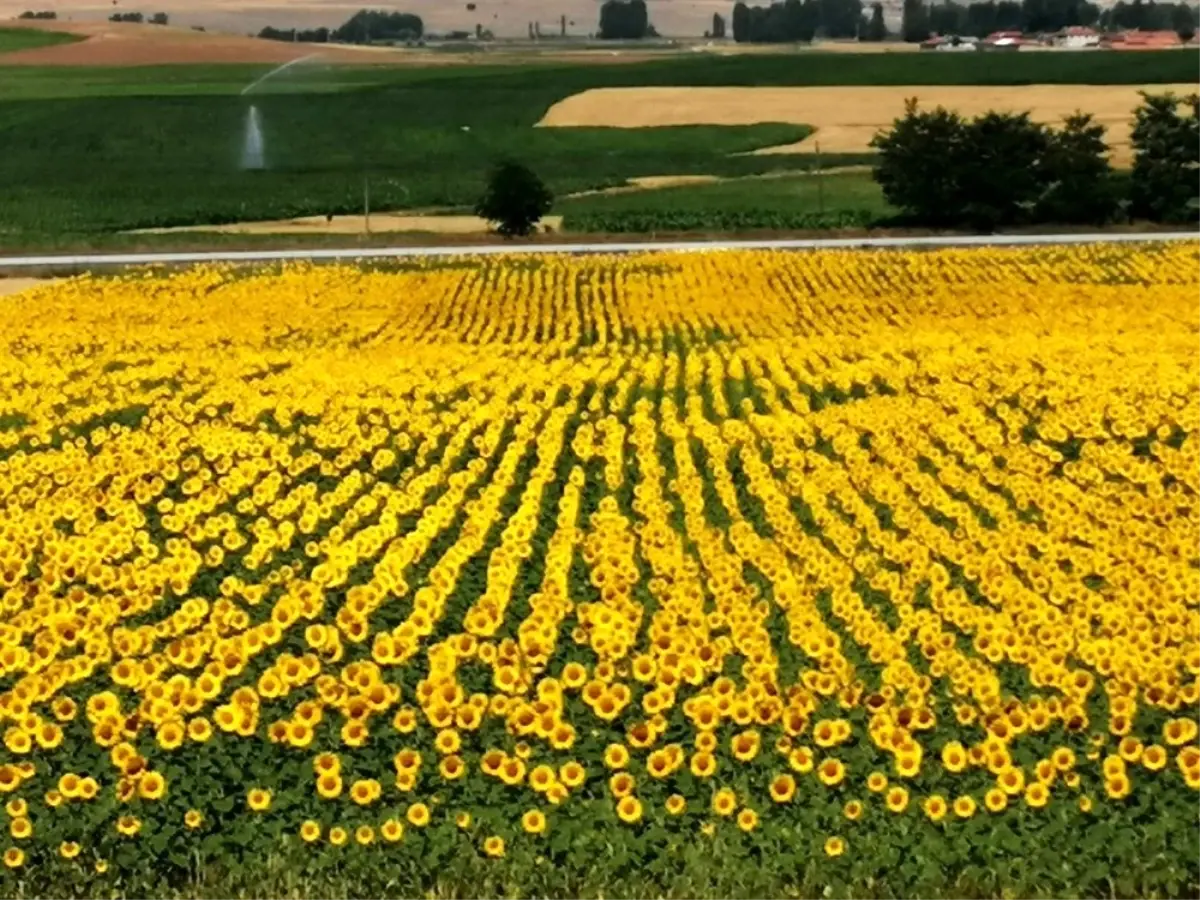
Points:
x=216 y=256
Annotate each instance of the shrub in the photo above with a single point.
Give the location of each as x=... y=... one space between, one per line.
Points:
x=1166 y=158
x=999 y=169
x=1082 y=189
x=515 y=199
x=919 y=163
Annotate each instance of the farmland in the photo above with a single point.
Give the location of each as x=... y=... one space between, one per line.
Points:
x=718 y=574
x=91 y=152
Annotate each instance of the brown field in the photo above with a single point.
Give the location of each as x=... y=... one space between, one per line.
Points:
x=845 y=118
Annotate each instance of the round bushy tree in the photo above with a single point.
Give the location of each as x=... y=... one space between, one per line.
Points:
x=515 y=199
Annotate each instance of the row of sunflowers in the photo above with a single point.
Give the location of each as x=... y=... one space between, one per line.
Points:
x=875 y=566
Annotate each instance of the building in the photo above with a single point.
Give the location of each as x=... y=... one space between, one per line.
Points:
x=1141 y=40
x=946 y=43
x=1076 y=37
x=1004 y=40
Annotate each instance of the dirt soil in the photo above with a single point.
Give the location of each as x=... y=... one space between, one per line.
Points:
x=380 y=223
x=845 y=118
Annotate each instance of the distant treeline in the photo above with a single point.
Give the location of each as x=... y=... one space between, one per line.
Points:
x=625 y=20
x=40 y=14
x=1041 y=16
x=364 y=27
x=159 y=18
x=798 y=20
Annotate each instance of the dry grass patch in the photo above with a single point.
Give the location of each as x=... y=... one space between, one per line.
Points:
x=380 y=223
x=845 y=118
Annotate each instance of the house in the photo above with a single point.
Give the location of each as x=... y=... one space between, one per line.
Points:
x=1004 y=40
x=1141 y=40
x=1076 y=37
x=949 y=43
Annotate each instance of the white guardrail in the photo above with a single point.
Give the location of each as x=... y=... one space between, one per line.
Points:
x=355 y=253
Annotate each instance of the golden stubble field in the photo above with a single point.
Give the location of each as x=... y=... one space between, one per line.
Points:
x=846 y=118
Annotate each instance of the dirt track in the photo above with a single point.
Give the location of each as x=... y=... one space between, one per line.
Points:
x=380 y=223
x=845 y=117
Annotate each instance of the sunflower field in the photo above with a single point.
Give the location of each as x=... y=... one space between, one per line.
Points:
x=838 y=573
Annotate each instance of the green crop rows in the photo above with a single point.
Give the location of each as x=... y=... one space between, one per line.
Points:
x=89 y=152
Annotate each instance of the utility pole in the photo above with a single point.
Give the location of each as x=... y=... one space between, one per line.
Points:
x=820 y=182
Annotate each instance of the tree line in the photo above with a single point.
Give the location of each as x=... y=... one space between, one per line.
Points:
x=158 y=18
x=798 y=21
x=363 y=27
x=1002 y=169
x=920 y=19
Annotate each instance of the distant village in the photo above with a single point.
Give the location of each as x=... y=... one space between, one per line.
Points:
x=1074 y=37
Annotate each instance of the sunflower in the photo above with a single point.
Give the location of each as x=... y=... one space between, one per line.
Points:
x=896 y=799
x=629 y=809
x=935 y=807
x=834 y=846
x=494 y=846
x=747 y=820
x=676 y=805
x=853 y=810
x=338 y=836
x=310 y=831
x=995 y=800
x=783 y=788
x=534 y=821
x=964 y=806
x=258 y=799
x=193 y=818
x=831 y=772
x=418 y=815
x=724 y=802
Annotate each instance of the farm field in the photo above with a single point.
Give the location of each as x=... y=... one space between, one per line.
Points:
x=13 y=40
x=844 y=119
x=167 y=140
x=709 y=574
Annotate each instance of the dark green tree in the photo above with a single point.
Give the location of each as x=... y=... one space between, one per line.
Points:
x=914 y=26
x=919 y=162
x=876 y=29
x=515 y=199
x=1183 y=21
x=1080 y=187
x=1165 y=181
x=741 y=22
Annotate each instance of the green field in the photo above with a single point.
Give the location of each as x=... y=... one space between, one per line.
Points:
x=12 y=39
x=85 y=152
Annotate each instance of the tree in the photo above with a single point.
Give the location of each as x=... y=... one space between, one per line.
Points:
x=919 y=161
x=1002 y=170
x=624 y=20
x=718 y=25
x=368 y=25
x=876 y=29
x=1183 y=21
x=741 y=22
x=914 y=26
x=159 y=18
x=1080 y=188
x=988 y=172
x=515 y=199
x=1166 y=158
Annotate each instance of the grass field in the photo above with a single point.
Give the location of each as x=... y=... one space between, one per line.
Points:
x=12 y=39
x=701 y=575
x=92 y=151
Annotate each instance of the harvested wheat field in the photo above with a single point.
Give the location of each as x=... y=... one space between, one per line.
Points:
x=845 y=118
